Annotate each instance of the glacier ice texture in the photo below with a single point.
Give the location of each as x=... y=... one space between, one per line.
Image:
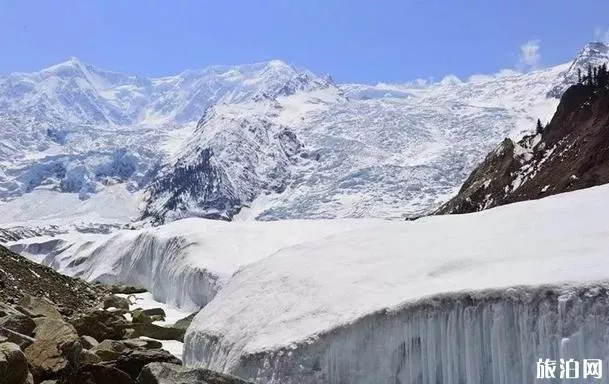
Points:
x=474 y=298
x=474 y=338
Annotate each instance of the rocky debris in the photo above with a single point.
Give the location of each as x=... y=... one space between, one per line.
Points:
x=155 y=312
x=138 y=316
x=21 y=279
x=125 y=289
x=40 y=307
x=19 y=323
x=114 y=301
x=100 y=325
x=48 y=360
x=142 y=344
x=132 y=362
x=570 y=153
x=68 y=343
x=88 y=357
x=185 y=322
x=99 y=374
x=165 y=373
x=88 y=342
x=59 y=331
x=23 y=341
x=154 y=331
x=13 y=364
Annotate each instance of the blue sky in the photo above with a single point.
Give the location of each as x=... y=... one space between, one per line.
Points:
x=354 y=40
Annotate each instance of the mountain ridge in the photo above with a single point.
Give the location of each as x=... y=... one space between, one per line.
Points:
x=368 y=151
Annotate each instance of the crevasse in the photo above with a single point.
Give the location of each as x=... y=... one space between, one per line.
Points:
x=487 y=337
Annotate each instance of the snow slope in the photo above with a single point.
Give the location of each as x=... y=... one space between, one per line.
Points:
x=472 y=298
x=365 y=151
x=184 y=263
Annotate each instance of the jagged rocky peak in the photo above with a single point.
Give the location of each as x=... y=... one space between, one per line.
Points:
x=236 y=153
x=570 y=153
x=593 y=54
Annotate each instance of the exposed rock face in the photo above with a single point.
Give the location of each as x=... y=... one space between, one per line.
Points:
x=571 y=153
x=13 y=365
x=164 y=373
x=227 y=162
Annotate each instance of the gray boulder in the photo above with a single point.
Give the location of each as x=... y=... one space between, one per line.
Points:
x=100 y=325
x=164 y=373
x=154 y=331
x=100 y=374
x=185 y=322
x=142 y=344
x=132 y=362
x=88 y=342
x=114 y=301
x=19 y=323
x=37 y=306
x=22 y=341
x=13 y=364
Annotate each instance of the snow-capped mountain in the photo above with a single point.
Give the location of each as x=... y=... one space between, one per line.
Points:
x=278 y=141
x=593 y=55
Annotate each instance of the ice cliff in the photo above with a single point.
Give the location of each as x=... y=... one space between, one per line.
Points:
x=464 y=299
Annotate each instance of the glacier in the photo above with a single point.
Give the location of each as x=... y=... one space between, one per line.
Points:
x=184 y=263
x=472 y=298
x=383 y=151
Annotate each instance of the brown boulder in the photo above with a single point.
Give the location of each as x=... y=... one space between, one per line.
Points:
x=57 y=330
x=100 y=325
x=40 y=307
x=46 y=359
x=13 y=364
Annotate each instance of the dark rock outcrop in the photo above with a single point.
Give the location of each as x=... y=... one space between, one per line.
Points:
x=98 y=374
x=164 y=373
x=132 y=362
x=571 y=153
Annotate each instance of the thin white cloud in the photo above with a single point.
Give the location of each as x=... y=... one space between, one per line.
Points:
x=601 y=34
x=529 y=55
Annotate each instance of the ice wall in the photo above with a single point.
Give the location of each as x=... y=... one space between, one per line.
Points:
x=159 y=263
x=488 y=337
x=184 y=263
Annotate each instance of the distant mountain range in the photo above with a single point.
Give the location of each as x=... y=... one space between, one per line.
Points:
x=262 y=141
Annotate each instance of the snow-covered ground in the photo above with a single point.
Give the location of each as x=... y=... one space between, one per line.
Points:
x=471 y=298
x=184 y=263
x=460 y=298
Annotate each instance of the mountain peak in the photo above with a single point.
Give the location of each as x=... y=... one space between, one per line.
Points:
x=276 y=63
x=593 y=54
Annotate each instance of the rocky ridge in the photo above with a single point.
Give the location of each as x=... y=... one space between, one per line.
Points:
x=570 y=153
